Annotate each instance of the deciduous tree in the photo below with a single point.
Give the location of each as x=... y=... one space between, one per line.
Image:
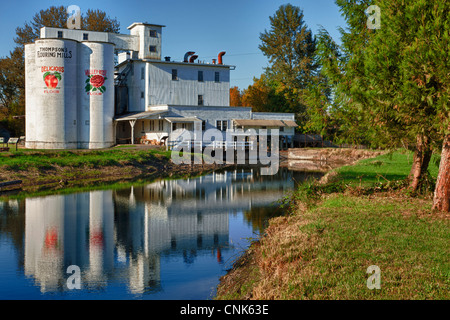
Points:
x=290 y=47
x=235 y=97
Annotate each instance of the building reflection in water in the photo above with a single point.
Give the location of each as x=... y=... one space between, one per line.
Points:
x=121 y=235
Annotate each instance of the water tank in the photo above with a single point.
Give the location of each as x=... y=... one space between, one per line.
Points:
x=51 y=94
x=96 y=90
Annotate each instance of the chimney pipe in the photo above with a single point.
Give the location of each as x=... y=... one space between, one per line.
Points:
x=220 y=57
x=186 y=56
x=192 y=58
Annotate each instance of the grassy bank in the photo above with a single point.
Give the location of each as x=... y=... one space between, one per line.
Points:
x=361 y=217
x=42 y=170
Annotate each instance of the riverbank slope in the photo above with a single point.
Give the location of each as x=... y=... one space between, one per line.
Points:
x=359 y=216
x=62 y=169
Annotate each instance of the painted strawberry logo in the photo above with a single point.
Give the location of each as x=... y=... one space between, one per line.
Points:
x=51 y=79
x=95 y=83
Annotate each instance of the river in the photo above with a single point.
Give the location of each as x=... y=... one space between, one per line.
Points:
x=168 y=239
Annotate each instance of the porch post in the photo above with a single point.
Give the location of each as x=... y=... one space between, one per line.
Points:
x=132 y=123
x=115 y=132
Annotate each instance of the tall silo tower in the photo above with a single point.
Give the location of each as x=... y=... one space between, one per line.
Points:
x=96 y=90
x=51 y=94
x=150 y=39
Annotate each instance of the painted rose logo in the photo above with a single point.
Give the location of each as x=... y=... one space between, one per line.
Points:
x=95 y=83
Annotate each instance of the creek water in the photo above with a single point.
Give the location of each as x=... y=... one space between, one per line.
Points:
x=167 y=239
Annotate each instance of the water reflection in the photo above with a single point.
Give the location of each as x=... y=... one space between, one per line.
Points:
x=121 y=236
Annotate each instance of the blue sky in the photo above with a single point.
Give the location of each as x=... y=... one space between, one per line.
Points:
x=204 y=26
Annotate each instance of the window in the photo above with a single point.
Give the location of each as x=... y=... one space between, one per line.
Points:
x=60 y=34
x=174 y=74
x=200 y=99
x=85 y=36
x=222 y=125
x=217 y=76
x=152 y=125
x=161 y=125
x=143 y=126
x=153 y=34
x=152 y=48
x=142 y=94
x=200 y=76
x=142 y=73
x=174 y=126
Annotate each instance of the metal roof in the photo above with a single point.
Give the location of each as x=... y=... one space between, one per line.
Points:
x=264 y=123
x=290 y=123
x=139 y=115
x=182 y=119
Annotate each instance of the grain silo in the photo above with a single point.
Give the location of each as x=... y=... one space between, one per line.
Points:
x=51 y=95
x=96 y=94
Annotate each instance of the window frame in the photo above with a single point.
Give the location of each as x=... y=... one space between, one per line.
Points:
x=200 y=100
x=222 y=125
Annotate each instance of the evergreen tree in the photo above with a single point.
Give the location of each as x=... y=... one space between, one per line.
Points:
x=388 y=77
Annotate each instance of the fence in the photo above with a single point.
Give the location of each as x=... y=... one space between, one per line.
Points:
x=190 y=144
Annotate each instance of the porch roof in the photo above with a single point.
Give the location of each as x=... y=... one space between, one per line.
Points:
x=182 y=119
x=264 y=123
x=139 y=115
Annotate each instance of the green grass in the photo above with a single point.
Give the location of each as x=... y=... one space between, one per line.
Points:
x=334 y=232
x=45 y=160
x=401 y=236
x=389 y=167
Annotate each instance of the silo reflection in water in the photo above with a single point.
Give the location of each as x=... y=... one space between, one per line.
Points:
x=169 y=239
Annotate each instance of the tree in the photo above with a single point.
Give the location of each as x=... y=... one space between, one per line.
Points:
x=97 y=20
x=290 y=48
x=12 y=68
x=263 y=96
x=235 y=97
x=388 y=78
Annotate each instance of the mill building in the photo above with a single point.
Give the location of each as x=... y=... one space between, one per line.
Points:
x=90 y=90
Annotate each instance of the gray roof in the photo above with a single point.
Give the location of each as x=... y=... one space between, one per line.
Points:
x=139 y=115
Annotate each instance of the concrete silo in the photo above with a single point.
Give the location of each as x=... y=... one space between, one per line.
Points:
x=96 y=95
x=51 y=94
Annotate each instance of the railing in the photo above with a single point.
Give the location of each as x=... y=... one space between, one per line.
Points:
x=189 y=144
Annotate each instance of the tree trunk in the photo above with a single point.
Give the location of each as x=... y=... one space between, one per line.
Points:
x=422 y=156
x=441 y=201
